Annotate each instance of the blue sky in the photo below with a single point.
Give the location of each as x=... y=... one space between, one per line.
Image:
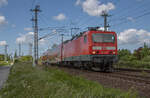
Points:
x=130 y=19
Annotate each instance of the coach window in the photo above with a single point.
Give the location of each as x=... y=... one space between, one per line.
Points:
x=85 y=39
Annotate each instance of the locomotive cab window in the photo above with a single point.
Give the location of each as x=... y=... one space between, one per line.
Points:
x=85 y=39
x=106 y=38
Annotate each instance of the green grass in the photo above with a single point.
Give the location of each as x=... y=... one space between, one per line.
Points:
x=27 y=82
x=4 y=63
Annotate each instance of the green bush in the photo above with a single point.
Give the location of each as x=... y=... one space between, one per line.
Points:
x=128 y=58
x=3 y=63
x=134 y=64
x=24 y=59
x=146 y=59
x=2 y=57
x=139 y=59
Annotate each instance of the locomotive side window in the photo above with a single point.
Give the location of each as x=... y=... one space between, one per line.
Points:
x=85 y=39
x=108 y=38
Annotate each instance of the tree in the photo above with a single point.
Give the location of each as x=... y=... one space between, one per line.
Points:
x=126 y=55
x=15 y=55
x=145 y=51
x=137 y=53
x=124 y=52
x=2 y=57
x=142 y=52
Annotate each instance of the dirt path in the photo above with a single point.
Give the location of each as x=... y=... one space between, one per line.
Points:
x=4 y=72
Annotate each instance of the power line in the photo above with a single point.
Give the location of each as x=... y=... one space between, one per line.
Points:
x=136 y=17
x=43 y=20
x=125 y=17
x=73 y=29
x=53 y=28
x=89 y=19
x=47 y=35
x=129 y=11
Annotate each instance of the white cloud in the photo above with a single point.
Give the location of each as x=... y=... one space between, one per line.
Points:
x=130 y=19
x=26 y=38
x=42 y=42
x=21 y=39
x=78 y=2
x=134 y=37
x=30 y=33
x=29 y=38
x=3 y=20
x=60 y=17
x=3 y=43
x=28 y=29
x=3 y=2
x=95 y=8
x=101 y=28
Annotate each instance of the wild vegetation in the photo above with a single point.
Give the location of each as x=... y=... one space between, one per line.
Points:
x=28 y=82
x=2 y=60
x=27 y=58
x=140 y=58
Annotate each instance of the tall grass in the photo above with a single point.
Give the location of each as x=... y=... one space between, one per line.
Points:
x=28 y=82
x=4 y=63
x=134 y=64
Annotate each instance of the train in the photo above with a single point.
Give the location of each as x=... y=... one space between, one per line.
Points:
x=90 y=49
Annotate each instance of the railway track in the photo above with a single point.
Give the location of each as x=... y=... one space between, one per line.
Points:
x=134 y=75
x=133 y=70
x=129 y=77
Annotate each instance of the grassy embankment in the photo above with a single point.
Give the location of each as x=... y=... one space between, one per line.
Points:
x=133 y=64
x=27 y=82
x=140 y=58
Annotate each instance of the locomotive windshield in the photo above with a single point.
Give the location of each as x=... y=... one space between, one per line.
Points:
x=103 y=37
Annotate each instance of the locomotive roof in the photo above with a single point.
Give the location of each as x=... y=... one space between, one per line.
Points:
x=81 y=33
x=75 y=37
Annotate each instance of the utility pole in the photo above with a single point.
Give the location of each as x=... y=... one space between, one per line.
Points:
x=35 y=20
x=30 y=49
x=19 y=49
x=62 y=46
x=6 y=46
x=105 y=15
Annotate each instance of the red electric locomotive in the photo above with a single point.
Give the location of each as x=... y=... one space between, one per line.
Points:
x=91 y=49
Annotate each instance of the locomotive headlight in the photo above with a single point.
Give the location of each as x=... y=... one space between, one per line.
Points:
x=94 y=52
x=111 y=48
x=97 y=48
